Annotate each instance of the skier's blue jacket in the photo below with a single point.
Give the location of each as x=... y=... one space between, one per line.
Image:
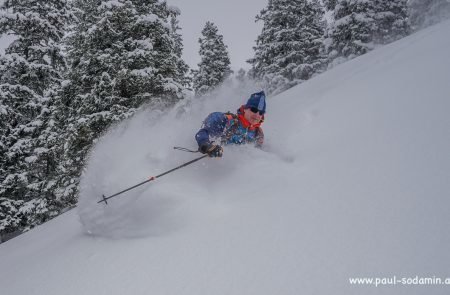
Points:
x=229 y=129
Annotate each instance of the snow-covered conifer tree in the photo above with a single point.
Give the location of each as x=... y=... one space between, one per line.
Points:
x=329 y=4
x=360 y=25
x=214 y=66
x=122 y=54
x=287 y=51
x=182 y=67
x=30 y=73
x=241 y=75
x=424 y=13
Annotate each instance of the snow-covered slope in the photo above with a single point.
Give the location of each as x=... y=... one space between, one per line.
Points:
x=354 y=182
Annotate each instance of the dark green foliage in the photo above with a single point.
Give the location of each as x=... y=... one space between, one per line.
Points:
x=119 y=55
x=214 y=67
x=30 y=71
x=360 y=25
x=287 y=51
x=123 y=54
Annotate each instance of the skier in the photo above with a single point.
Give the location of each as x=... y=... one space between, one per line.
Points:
x=241 y=128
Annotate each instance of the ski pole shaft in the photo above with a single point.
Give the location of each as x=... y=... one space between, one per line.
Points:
x=184 y=149
x=104 y=199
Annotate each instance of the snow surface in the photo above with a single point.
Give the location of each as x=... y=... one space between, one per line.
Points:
x=353 y=182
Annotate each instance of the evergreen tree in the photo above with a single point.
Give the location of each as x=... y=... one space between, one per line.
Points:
x=424 y=13
x=123 y=54
x=360 y=25
x=182 y=67
x=214 y=67
x=287 y=51
x=329 y=4
x=241 y=75
x=30 y=71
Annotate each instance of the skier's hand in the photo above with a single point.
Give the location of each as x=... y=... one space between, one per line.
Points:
x=212 y=150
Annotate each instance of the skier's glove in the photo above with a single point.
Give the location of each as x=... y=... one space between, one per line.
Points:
x=211 y=150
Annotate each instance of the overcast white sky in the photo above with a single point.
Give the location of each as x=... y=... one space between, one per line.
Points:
x=235 y=20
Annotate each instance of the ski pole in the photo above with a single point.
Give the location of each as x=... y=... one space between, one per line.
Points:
x=104 y=199
x=185 y=149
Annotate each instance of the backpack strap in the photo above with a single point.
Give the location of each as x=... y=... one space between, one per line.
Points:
x=230 y=115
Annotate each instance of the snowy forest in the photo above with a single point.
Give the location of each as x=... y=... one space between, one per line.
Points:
x=75 y=68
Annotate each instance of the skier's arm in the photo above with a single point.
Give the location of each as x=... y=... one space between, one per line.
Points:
x=213 y=126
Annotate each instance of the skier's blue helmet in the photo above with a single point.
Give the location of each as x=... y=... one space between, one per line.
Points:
x=257 y=100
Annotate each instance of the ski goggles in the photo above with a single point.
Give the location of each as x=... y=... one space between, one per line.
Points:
x=255 y=110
